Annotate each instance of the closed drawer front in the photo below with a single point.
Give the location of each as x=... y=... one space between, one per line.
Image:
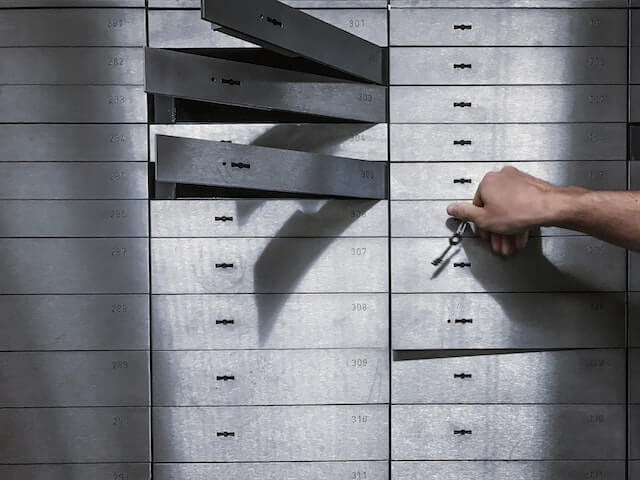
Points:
x=634 y=152
x=508 y=142
x=459 y=181
x=186 y=29
x=634 y=271
x=70 y=104
x=506 y=3
x=546 y=265
x=74 y=379
x=78 y=435
x=634 y=103
x=71 y=3
x=508 y=104
x=73 y=27
x=65 y=266
x=634 y=319
x=270 y=377
x=253 y=265
x=580 y=376
x=272 y=471
x=93 y=66
x=502 y=27
x=572 y=470
x=79 y=181
x=634 y=375
x=270 y=321
x=73 y=218
x=73 y=143
x=508 y=432
x=302 y=433
x=508 y=320
x=132 y=471
x=508 y=65
x=293 y=3
x=634 y=432
x=634 y=65
x=74 y=322
x=269 y=218
x=634 y=470
x=360 y=141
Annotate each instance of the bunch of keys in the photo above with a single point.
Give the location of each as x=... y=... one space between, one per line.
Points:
x=454 y=240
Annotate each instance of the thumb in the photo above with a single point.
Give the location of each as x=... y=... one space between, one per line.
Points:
x=465 y=211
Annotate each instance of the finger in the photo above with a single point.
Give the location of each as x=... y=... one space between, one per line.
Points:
x=496 y=242
x=466 y=211
x=482 y=233
x=477 y=198
x=522 y=239
x=508 y=245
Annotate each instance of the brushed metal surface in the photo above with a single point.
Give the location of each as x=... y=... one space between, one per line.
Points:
x=505 y=27
x=72 y=104
x=92 y=66
x=73 y=181
x=508 y=320
x=514 y=470
x=73 y=143
x=634 y=270
x=186 y=29
x=634 y=319
x=634 y=372
x=73 y=218
x=188 y=76
x=289 y=433
x=508 y=65
x=634 y=62
x=74 y=435
x=305 y=265
x=634 y=470
x=267 y=218
x=272 y=377
x=508 y=432
x=508 y=104
x=70 y=3
x=68 y=266
x=508 y=142
x=439 y=181
x=634 y=103
x=74 y=322
x=128 y=471
x=73 y=28
x=634 y=432
x=546 y=265
x=74 y=379
x=196 y=322
x=293 y=3
x=352 y=140
x=564 y=377
x=634 y=154
x=375 y=470
x=220 y=164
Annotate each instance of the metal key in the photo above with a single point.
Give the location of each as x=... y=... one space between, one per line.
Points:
x=454 y=240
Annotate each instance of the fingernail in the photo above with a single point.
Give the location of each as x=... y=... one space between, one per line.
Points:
x=451 y=210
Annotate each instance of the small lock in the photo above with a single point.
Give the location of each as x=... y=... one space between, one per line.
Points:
x=462 y=376
x=462 y=432
x=225 y=434
x=224 y=219
x=224 y=265
x=240 y=165
x=225 y=378
x=462 y=180
x=463 y=320
x=461 y=104
x=461 y=265
x=462 y=142
x=225 y=321
x=462 y=66
x=462 y=26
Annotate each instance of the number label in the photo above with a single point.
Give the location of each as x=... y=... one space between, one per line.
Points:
x=358 y=475
x=596 y=418
x=359 y=307
x=595 y=474
x=117 y=100
x=358 y=362
x=118 y=213
x=356 y=23
x=359 y=252
x=358 y=213
x=597 y=99
x=119 y=308
x=116 y=61
x=119 y=364
x=118 y=252
x=595 y=61
x=367 y=174
x=359 y=418
x=117 y=23
x=117 y=176
x=118 y=139
x=120 y=476
x=365 y=97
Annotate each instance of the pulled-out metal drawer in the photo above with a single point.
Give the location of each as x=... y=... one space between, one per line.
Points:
x=508 y=65
x=508 y=142
x=506 y=27
x=274 y=265
x=70 y=3
x=508 y=104
x=508 y=320
x=92 y=66
x=74 y=435
x=73 y=181
x=376 y=470
x=274 y=434
x=269 y=218
x=530 y=470
x=565 y=377
x=73 y=143
x=508 y=432
x=356 y=140
x=74 y=322
x=270 y=321
x=546 y=265
x=105 y=471
x=74 y=218
x=74 y=379
x=68 y=266
x=73 y=28
x=186 y=29
x=72 y=104
x=271 y=377
x=293 y=3
x=459 y=181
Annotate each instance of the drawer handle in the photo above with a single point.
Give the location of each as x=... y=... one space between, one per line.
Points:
x=273 y=21
x=225 y=378
x=462 y=66
x=461 y=265
x=463 y=320
x=462 y=142
x=225 y=434
x=226 y=141
x=231 y=81
x=224 y=321
x=462 y=376
x=462 y=432
x=224 y=219
x=240 y=165
x=462 y=180
x=462 y=26
x=224 y=265
x=461 y=104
